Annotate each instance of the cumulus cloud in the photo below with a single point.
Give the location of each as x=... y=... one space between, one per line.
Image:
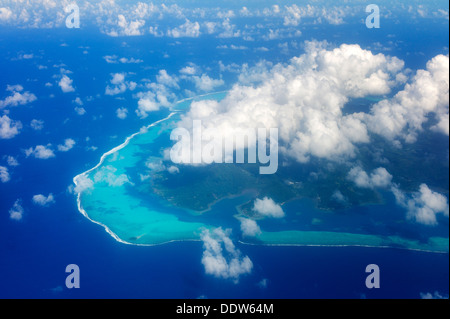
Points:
x=16 y=212
x=249 y=227
x=220 y=256
x=80 y=110
x=293 y=16
x=122 y=113
x=114 y=59
x=379 y=178
x=304 y=100
x=108 y=175
x=189 y=70
x=427 y=95
x=67 y=146
x=268 y=208
x=66 y=84
x=333 y=15
x=165 y=79
x=188 y=29
x=78 y=101
x=147 y=104
x=83 y=183
x=228 y=30
x=40 y=152
x=173 y=170
x=12 y=161
x=435 y=295
x=4 y=174
x=339 y=197
x=125 y=28
x=42 y=200
x=37 y=125
x=206 y=83
x=17 y=97
x=422 y=206
x=119 y=85
x=158 y=96
x=8 y=127
x=5 y=14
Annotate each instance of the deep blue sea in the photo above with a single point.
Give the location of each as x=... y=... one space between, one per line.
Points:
x=35 y=251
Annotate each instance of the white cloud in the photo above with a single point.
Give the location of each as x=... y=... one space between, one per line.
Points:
x=16 y=212
x=130 y=60
x=173 y=170
x=40 y=152
x=380 y=177
x=165 y=79
x=83 y=183
x=189 y=70
x=435 y=295
x=245 y=12
x=249 y=227
x=37 y=125
x=8 y=127
x=158 y=96
x=122 y=113
x=26 y=56
x=263 y=283
x=210 y=27
x=113 y=59
x=226 y=14
x=188 y=29
x=132 y=28
x=43 y=200
x=404 y=114
x=117 y=78
x=146 y=105
x=293 y=16
x=119 y=84
x=17 y=97
x=67 y=146
x=78 y=101
x=304 y=100
x=80 y=110
x=107 y=175
x=332 y=15
x=232 y=47
x=206 y=83
x=12 y=161
x=228 y=30
x=4 y=174
x=422 y=206
x=5 y=14
x=268 y=208
x=339 y=197
x=221 y=258
x=66 y=84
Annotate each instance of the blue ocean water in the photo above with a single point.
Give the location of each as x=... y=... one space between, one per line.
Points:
x=35 y=251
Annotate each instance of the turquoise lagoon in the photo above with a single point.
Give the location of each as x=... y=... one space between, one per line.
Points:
x=125 y=200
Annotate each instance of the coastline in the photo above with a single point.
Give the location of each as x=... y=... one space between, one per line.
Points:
x=343 y=246
x=173 y=112
x=102 y=159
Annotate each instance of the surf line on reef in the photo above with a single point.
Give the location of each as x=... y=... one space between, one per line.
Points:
x=102 y=159
x=344 y=246
x=118 y=148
